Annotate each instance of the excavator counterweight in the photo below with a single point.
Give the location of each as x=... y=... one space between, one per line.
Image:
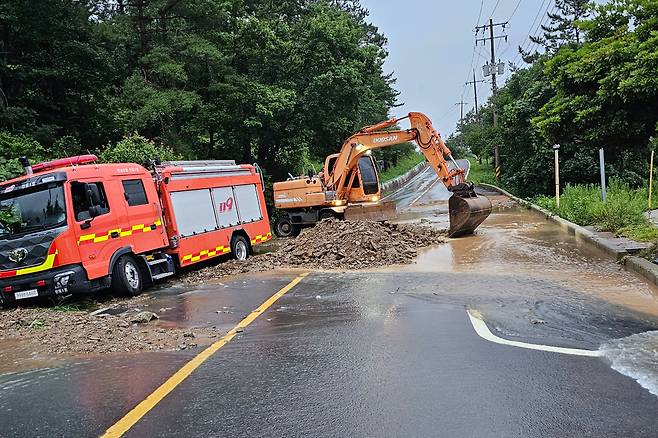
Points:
x=378 y=212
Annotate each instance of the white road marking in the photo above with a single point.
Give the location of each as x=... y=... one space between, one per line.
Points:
x=483 y=331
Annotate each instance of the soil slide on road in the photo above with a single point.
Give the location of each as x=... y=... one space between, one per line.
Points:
x=335 y=244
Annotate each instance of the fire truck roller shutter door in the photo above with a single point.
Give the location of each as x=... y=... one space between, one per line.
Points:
x=225 y=207
x=248 y=203
x=194 y=212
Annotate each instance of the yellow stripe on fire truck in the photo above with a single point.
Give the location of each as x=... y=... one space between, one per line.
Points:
x=96 y=238
x=261 y=238
x=206 y=253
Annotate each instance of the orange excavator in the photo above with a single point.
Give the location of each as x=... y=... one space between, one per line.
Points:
x=348 y=186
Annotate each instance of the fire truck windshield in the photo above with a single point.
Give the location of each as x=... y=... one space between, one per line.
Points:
x=34 y=209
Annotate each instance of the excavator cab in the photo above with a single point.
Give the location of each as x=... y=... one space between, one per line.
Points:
x=365 y=182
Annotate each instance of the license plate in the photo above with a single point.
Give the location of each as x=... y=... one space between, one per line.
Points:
x=26 y=294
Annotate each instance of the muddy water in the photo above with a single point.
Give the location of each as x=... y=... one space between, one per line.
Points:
x=520 y=242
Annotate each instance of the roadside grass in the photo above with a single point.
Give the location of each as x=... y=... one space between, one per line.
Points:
x=622 y=213
x=404 y=165
x=68 y=308
x=481 y=172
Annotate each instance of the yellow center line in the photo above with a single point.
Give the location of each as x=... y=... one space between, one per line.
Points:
x=127 y=421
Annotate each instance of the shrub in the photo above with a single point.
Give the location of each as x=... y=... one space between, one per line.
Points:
x=12 y=147
x=622 y=213
x=582 y=204
x=624 y=208
x=137 y=149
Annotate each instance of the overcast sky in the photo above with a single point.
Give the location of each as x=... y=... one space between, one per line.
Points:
x=430 y=44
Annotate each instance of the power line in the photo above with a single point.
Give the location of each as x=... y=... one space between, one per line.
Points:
x=533 y=44
x=543 y=7
x=480 y=13
x=514 y=11
x=474 y=47
x=494 y=9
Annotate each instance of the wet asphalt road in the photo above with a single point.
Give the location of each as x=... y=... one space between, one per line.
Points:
x=382 y=353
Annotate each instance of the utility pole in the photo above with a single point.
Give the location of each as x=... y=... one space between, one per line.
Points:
x=461 y=111
x=474 y=82
x=493 y=69
x=461 y=104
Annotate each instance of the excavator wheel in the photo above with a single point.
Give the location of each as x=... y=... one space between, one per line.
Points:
x=283 y=227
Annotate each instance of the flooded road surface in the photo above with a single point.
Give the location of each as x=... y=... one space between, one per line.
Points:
x=388 y=352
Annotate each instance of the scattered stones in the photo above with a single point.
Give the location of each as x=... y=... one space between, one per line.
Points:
x=143 y=317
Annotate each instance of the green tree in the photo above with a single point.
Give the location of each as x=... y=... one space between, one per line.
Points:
x=599 y=93
x=562 y=28
x=53 y=74
x=137 y=149
x=14 y=146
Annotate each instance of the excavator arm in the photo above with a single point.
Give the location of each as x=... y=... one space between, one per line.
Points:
x=377 y=137
x=467 y=210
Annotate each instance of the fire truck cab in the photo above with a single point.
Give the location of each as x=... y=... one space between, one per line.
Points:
x=69 y=226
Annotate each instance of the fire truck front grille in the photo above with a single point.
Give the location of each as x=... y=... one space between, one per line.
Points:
x=30 y=250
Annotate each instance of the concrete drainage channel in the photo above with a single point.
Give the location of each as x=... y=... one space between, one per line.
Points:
x=619 y=248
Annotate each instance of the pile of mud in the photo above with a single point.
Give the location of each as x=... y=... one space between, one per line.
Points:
x=335 y=244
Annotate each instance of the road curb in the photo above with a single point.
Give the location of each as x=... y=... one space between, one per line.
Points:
x=581 y=233
x=642 y=267
x=398 y=182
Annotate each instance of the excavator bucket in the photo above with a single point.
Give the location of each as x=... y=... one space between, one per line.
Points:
x=467 y=213
x=383 y=211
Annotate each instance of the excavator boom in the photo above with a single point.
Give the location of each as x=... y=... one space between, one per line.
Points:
x=467 y=210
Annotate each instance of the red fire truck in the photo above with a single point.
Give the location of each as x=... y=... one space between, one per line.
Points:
x=70 y=226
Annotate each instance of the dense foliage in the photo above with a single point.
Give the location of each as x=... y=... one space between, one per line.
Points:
x=595 y=88
x=281 y=83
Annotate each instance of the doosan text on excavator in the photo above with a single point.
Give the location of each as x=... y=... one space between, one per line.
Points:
x=348 y=186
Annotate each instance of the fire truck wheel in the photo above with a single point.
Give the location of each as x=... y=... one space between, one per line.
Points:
x=127 y=277
x=240 y=248
x=284 y=228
